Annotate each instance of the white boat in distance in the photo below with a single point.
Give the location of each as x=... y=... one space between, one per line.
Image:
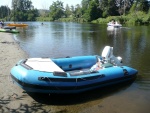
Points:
x=112 y=25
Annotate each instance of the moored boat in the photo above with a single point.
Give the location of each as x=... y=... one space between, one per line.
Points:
x=17 y=24
x=71 y=74
x=9 y=27
x=9 y=30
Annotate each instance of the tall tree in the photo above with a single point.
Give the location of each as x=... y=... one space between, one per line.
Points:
x=143 y=5
x=4 y=11
x=78 y=11
x=56 y=10
x=72 y=10
x=85 y=5
x=67 y=11
x=109 y=7
x=104 y=6
x=91 y=9
x=124 y=6
x=95 y=11
x=23 y=10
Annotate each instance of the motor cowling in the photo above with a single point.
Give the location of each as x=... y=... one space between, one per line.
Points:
x=107 y=55
x=107 y=52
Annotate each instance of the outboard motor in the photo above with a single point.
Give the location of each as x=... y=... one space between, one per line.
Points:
x=107 y=54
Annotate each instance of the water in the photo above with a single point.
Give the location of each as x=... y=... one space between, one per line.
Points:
x=58 y=39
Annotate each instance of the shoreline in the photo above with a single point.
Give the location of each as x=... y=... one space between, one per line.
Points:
x=11 y=53
x=13 y=98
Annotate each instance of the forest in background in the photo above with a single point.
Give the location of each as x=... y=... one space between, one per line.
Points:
x=95 y=11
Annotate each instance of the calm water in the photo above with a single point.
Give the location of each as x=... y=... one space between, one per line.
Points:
x=56 y=39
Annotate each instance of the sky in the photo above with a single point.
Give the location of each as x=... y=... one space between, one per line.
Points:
x=43 y=4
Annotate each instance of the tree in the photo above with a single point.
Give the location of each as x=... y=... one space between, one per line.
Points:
x=78 y=11
x=56 y=10
x=109 y=7
x=72 y=10
x=85 y=7
x=124 y=6
x=32 y=14
x=115 y=7
x=94 y=10
x=133 y=8
x=91 y=9
x=67 y=11
x=143 y=5
x=23 y=10
x=4 y=11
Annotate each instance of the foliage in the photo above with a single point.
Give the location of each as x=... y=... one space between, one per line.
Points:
x=66 y=19
x=23 y=11
x=56 y=10
x=92 y=12
x=68 y=12
x=138 y=18
x=4 y=11
x=44 y=19
x=143 y=5
x=96 y=11
x=80 y=20
x=78 y=11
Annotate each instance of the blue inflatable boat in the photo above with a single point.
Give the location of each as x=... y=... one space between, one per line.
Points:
x=71 y=74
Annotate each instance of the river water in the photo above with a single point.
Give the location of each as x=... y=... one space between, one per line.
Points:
x=60 y=39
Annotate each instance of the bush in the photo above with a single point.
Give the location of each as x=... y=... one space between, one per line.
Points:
x=108 y=19
x=136 y=18
x=44 y=19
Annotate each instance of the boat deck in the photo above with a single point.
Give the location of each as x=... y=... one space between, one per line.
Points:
x=43 y=64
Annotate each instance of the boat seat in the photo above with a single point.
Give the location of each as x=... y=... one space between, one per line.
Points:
x=43 y=64
x=81 y=72
x=76 y=63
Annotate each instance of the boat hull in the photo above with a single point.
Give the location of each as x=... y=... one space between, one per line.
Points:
x=18 y=25
x=69 y=81
x=111 y=26
x=70 y=89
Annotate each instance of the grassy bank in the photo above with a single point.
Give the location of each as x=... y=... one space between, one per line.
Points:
x=44 y=19
x=139 y=18
x=81 y=20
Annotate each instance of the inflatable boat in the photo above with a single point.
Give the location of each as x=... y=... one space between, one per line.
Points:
x=71 y=74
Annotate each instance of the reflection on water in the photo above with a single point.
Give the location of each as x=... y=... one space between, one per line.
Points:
x=136 y=50
x=144 y=84
x=60 y=39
